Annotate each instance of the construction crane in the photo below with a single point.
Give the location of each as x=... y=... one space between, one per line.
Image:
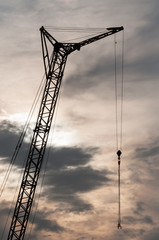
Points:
x=54 y=64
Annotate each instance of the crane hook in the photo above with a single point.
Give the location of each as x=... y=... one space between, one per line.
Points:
x=119 y=154
x=119 y=226
x=119 y=217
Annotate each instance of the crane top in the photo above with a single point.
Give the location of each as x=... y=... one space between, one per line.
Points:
x=115 y=28
x=71 y=47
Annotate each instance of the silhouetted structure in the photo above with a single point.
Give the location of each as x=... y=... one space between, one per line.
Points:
x=54 y=64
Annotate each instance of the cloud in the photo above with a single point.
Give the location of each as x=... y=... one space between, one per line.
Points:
x=97 y=73
x=147 y=152
x=9 y=138
x=153 y=234
x=80 y=179
x=133 y=233
x=42 y=222
x=141 y=61
x=70 y=156
x=9 y=134
x=138 y=217
x=139 y=208
x=69 y=175
x=4 y=214
x=135 y=221
x=69 y=171
x=145 y=166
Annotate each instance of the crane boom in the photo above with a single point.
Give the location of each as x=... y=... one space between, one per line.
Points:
x=109 y=32
x=54 y=65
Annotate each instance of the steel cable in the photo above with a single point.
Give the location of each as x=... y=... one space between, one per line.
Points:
x=44 y=169
x=21 y=138
x=119 y=118
x=17 y=149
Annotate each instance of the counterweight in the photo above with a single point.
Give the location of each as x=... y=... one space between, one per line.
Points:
x=54 y=64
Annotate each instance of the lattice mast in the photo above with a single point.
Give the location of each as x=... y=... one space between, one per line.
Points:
x=54 y=64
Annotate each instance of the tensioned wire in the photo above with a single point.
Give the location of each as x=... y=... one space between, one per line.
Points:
x=17 y=149
x=119 y=119
x=74 y=29
x=89 y=31
x=13 y=200
x=44 y=165
x=23 y=135
x=44 y=172
x=20 y=141
x=80 y=38
x=21 y=138
x=119 y=93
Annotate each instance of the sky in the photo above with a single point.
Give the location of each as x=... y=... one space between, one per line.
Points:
x=77 y=193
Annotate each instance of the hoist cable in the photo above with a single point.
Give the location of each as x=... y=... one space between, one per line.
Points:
x=116 y=90
x=119 y=117
x=122 y=93
x=119 y=93
x=21 y=138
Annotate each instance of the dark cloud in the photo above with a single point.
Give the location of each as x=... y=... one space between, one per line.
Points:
x=80 y=179
x=145 y=166
x=133 y=233
x=144 y=67
x=97 y=72
x=69 y=202
x=149 y=151
x=9 y=134
x=150 y=19
x=141 y=60
x=70 y=156
x=136 y=220
x=153 y=234
x=9 y=137
x=69 y=173
x=142 y=45
x=42 y=222
x=59 y=157
x=5 y=212
x=140 y=207
x=74 y=177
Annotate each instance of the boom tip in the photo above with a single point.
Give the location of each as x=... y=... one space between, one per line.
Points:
x=116 y=29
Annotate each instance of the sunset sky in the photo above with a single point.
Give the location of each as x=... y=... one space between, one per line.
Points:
x=77 y=194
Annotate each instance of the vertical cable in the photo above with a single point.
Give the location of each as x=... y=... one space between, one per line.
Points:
x=122 y=94
x=119 y=117
x=116 y=91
